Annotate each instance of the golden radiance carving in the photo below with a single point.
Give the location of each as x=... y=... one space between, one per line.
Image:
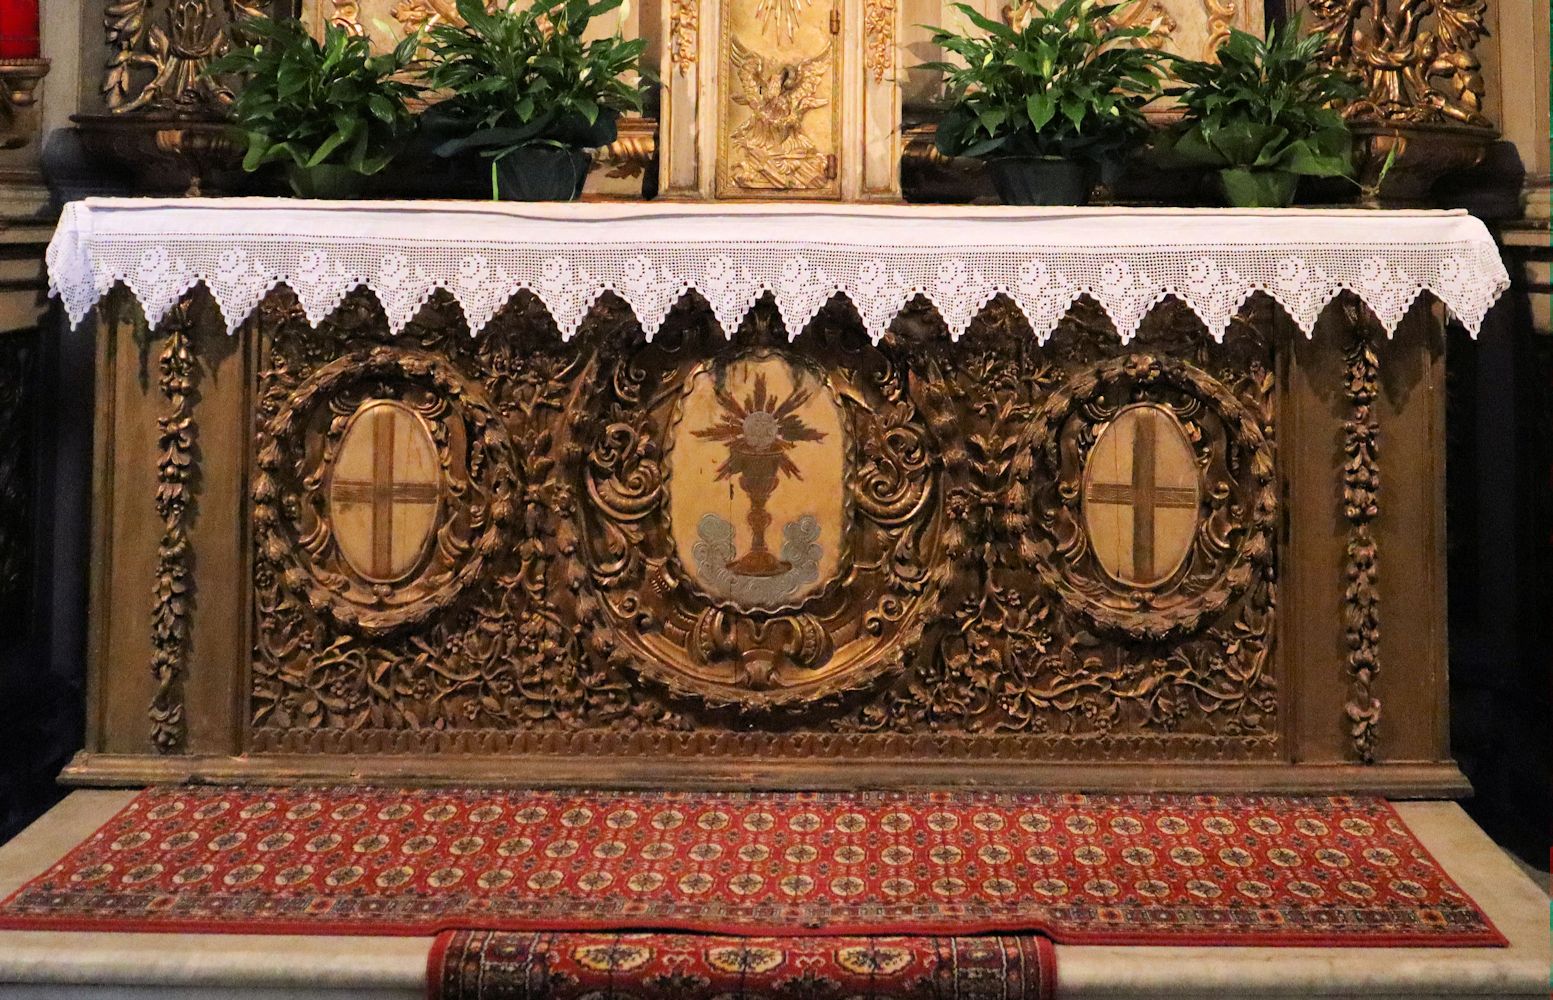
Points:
x=773 y=150
x=879 y=39
x=784 y=15
x=1414 y=57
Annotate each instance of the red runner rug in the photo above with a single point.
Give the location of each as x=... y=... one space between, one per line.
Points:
x=511 y=965
x=1147 y=869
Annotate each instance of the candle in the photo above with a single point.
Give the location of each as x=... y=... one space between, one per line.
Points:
x=19 y=29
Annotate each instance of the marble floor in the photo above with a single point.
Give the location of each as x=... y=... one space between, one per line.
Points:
x=104 y=966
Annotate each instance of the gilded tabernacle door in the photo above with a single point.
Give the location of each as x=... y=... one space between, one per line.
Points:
x=779 y=109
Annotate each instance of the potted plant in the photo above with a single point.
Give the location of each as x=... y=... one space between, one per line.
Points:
x=332 y=112
x=1264 y=115
x=1048 y=99
x=528 y=93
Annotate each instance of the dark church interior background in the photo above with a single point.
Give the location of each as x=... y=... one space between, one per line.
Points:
x=1500 y=515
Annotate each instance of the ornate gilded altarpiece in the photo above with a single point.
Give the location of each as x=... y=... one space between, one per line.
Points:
x=695 y=547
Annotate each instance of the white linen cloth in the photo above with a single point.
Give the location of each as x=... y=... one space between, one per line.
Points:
x=879 y=257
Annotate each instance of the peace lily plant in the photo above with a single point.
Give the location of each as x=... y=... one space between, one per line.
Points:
x=331 y=112
x=1049 y=98
x=527 y=93
x=1264 y=114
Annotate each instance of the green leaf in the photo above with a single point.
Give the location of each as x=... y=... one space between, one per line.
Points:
x=1040 y=107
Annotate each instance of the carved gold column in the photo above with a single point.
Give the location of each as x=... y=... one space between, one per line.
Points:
x=1422 y=88
x=164 y=119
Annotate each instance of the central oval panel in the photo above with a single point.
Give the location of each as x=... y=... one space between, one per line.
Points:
x=758 y=482
x=385 y=490
x=1141 y=496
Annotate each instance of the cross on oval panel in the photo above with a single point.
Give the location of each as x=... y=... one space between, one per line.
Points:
x=385 y=490
x=1141 y=496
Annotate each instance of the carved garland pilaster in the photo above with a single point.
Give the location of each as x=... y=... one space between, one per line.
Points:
x=173 y=590
x=1361 y=494
x=684 y=24
x=879 y=38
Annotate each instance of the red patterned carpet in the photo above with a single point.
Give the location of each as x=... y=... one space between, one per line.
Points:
x=1082 y=869
x=512 y=965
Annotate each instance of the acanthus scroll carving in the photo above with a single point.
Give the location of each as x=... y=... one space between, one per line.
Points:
x=158 y=54
x=600 y=624
x=1022 y=644
x=1414 y=58
x=720 y=634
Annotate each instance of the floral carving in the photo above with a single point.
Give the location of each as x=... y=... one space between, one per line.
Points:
x=1361 y=496
x=879 y=39
x=720 y=651
x=158 y=64
x=684 y=31
x=1060 y=659
x=176 y=470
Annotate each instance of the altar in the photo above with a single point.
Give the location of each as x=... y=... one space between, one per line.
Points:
x=790 y=496
x=660 y=576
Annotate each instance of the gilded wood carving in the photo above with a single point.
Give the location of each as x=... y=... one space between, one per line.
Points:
x=158 y=53
x=1414 y=57
x=1361 y=496
x=176 y=473
x=825 y=549
x=780 y=117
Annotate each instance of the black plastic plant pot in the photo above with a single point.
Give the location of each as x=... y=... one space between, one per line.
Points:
x=328 y=181
x=1040 y=180
x=542 y=173
x=1258 y=188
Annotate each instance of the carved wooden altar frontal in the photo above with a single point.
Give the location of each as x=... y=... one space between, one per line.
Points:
x=707 y=547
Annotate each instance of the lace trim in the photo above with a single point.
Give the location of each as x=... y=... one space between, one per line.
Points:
x=1043 y=281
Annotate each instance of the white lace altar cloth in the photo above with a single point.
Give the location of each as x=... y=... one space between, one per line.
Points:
x=879 y=257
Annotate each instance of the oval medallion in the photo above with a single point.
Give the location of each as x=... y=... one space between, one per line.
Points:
x=385 y=491
x=1141 y=496
x=757 y=491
